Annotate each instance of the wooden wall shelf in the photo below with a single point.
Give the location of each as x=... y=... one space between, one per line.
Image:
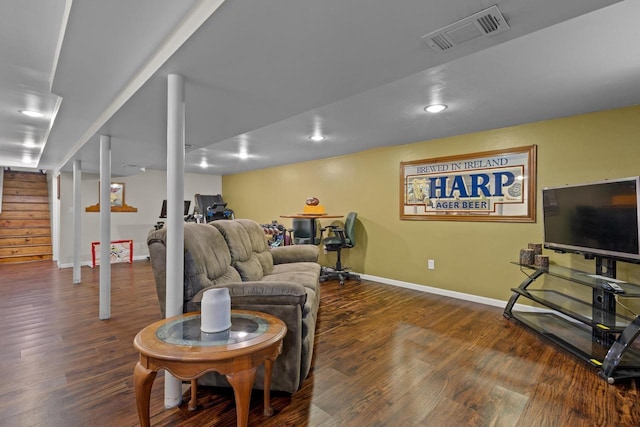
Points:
x=123 y=208
x=117 y=200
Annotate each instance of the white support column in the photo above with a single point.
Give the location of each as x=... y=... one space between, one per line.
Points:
x=77 y=219
x=1 y=183
x=105 y=227
x=55 y=217
x=175 y=218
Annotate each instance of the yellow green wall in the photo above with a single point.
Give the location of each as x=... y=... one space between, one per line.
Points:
x=470 y=257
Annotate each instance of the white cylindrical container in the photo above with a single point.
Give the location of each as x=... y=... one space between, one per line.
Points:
x=216 y=310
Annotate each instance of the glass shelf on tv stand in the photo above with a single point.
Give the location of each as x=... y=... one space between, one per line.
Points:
x=631 y=290
x=580 y=316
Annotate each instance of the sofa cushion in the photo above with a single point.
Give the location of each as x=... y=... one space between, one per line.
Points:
x=257 y=293
x=250 y=254
x=207 y=260
x=307 y=277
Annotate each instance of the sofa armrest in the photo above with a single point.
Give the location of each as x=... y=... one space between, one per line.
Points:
x=261 y=293
x=295 y=253
x=285 y=301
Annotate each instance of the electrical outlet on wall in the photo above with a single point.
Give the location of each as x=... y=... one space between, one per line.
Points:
x=431 y=264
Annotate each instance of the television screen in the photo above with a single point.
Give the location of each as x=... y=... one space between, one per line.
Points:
x=163 y=210
x=593 y=219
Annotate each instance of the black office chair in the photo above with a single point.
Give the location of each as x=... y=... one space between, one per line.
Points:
x=343 y=238
x=302 y=231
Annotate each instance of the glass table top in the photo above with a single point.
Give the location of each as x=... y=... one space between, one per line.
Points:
x=186 y=331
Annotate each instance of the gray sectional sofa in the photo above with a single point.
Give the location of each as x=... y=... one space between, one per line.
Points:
x=282 y=281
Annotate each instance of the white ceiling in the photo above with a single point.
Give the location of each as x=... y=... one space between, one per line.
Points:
x=264 y=76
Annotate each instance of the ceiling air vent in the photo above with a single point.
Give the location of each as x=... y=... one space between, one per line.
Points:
x=484 y=23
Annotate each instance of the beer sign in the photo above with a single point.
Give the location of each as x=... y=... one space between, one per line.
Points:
x=489 y=186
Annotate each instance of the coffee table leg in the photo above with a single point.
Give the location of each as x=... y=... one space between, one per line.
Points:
x=193 y=403
x=143 y=380
x=242 y=382
x=268 y=367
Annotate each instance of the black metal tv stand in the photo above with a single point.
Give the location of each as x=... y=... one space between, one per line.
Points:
x=583 y=315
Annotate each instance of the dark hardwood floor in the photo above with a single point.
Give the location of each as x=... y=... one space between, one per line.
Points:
x=384 y=356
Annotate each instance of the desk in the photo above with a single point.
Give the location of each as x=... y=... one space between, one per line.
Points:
x=177 y=345
x=312 y=218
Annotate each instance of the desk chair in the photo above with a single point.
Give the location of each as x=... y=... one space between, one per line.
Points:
x=343 y=238
x=302 y=229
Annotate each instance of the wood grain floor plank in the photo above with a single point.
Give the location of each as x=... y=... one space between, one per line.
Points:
x=384 y=356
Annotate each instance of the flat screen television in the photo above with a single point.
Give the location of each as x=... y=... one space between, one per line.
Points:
x=163 y=210
x=596 y=219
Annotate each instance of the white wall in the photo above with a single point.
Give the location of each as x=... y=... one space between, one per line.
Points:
x=144 y=191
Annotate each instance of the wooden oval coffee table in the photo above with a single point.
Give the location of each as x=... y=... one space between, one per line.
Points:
x=178 y=346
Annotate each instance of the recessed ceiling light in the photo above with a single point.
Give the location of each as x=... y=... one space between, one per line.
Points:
x=316 y=138
x=435 y=108
x=29 y=144
x=204 y=164
x=243 y=155
x=31 y=113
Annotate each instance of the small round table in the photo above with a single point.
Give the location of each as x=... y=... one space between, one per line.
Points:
x=312 y=218
x=179 y=346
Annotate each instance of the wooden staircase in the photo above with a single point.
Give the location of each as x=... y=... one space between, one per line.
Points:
x=25 y=227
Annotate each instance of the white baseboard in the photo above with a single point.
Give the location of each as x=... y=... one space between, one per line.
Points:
x=422 y=288
x=452 y=294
